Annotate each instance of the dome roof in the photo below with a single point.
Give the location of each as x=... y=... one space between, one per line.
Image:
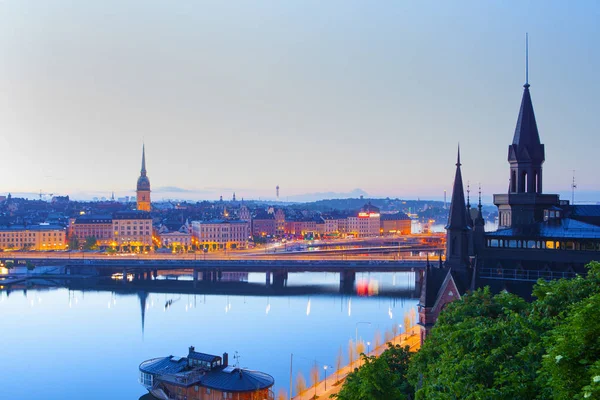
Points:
x=143 y=183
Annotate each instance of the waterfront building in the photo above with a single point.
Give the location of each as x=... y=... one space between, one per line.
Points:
x=33 y=237
x=395 y=224
x=301 y=228
x=365 y=223
x=263 y=224
x=143 y=186
x=201 y=376
x=132 y=231
x=219 y=234
x=279 y=222
x=175 y=239
x=99 y=227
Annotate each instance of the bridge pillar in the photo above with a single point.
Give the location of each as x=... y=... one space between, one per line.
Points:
x=268 y=278
x=347 y=279
x=155 y=273
x=219 y=275
x=124 y=275
x=280 y=278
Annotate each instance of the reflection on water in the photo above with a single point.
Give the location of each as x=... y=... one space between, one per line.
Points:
x=87 y=338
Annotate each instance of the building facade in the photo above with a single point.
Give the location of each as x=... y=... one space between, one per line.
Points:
x=143 y=186
x=99 y=227
x=396 y=224
x=366 y=223
x=221 y=234
x=132 y=231
x=33 y=237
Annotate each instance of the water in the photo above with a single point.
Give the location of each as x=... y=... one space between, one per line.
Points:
x=58 y=343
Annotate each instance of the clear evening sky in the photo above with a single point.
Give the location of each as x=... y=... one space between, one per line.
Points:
x=316 y=96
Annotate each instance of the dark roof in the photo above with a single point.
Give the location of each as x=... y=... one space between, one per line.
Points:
x=434 y=277
x=591 y=210
x=526 y=145
x=457 y=219
x=194 y=355
x=165 y=365
x=32 y=227
x=134 y=214
x=237 y=380
x=399 y=216
x=565 y=228
x=94 y=219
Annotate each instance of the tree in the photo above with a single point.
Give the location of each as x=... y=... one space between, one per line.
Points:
x=91 y=243
x=9 y=264
x=73 y=243
x=351 y=354
x=485 y=346
x=282 y=395
x=314 y=377
x=300 y=383
x=380 y=378
x=360 y=349
x=377 y=339
x=30 y=266
x=339 y=362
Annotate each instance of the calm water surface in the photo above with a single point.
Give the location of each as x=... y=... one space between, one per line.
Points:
x=58 y=343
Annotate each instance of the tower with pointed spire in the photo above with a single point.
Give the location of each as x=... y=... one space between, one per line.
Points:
x=524 y=203
x=143 y=186
x=458 y=229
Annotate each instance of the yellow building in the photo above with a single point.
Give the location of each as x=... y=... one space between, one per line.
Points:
x=143 y=186
x=221 y=234
x=132 y=231
x=33 y=237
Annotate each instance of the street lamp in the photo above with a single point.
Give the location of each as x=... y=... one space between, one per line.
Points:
x=356 y=330
x=368 y=347
x=325 y=368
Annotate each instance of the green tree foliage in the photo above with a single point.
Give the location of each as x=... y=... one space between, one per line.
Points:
x=379 y=378
x=501 y=347
x=91 y=243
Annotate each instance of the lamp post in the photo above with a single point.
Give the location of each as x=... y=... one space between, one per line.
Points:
x=356 y=330
x=325 y=368
x=368 y=348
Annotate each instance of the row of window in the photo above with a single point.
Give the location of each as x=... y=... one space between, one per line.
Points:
x=544 y=244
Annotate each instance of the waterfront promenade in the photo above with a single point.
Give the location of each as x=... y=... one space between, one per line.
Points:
x=404 y=339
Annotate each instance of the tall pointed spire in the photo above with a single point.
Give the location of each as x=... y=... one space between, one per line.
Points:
x=458 y=210
x=479 y=219
x=526 y=145
x=144 y=159
x=469 y=217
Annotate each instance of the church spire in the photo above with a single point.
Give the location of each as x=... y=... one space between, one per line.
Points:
x=144 y=159
x=458 y=211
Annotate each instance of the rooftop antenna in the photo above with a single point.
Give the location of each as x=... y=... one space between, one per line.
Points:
x=236 y=357
x=526 y=60
x=277 y=192
x=573 y=187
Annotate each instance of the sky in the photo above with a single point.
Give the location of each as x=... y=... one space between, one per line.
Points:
x=314 y=96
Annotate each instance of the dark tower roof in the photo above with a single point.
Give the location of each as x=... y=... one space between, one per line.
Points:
x=526 y=145
x=458 y=210
x=479 y=221
x=469 y=217
x=143 y=183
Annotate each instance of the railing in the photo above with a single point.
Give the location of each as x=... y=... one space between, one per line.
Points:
x=524 y=275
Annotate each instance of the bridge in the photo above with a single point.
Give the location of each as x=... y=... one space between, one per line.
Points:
x=276 y=269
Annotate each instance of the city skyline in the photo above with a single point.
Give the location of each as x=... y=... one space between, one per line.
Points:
x=219 y=117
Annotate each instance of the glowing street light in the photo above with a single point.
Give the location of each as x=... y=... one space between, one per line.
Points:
x=325 y=368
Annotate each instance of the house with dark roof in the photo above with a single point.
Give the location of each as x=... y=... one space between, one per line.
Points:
x=202 y=376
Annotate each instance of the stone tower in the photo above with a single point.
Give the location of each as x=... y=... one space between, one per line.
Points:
x=143 y=186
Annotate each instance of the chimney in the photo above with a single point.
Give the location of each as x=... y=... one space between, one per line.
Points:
x=225 y=359
x=191 y=349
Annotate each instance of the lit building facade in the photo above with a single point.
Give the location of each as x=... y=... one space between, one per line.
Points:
x=143 y=186
x=366 y=223
x=221 y=234
x=180 y=239
x=96 y=226
x=33 y=237
x=132 y=230
x=395 y=224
